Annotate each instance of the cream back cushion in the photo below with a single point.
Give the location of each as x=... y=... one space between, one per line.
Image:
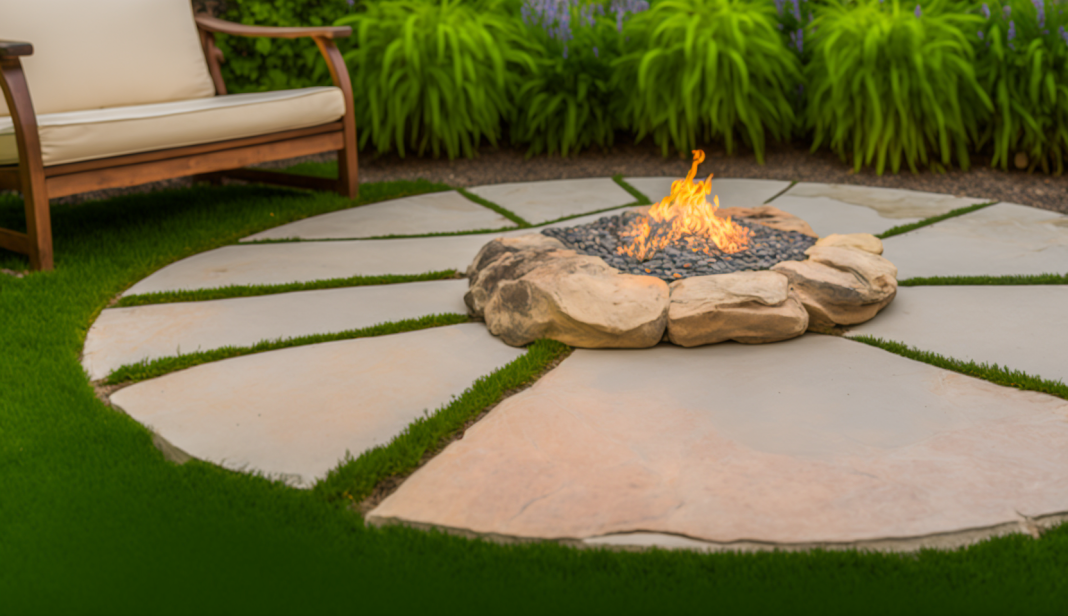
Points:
x=92 y=54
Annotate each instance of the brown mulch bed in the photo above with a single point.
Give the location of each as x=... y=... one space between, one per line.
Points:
x=784 y=162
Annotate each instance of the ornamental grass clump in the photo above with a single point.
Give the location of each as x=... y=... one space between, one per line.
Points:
x=437 y=74
x=1023 y=65
x=571 y=103
x=892 y=82
x=718 y=68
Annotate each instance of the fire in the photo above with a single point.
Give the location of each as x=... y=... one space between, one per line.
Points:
x=685 y=217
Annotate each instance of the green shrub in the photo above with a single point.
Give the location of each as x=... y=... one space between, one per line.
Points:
x=260 y=64
x=570 y=104
x=718 y=67
x=889 y=81
x=1023 y=65
x=436 y=73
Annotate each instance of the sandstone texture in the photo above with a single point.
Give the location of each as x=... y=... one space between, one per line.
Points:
x=841 y=286
x=769 y=216
x=861 y=241
x=581 y=301
x=508 y=258
x=748 y=307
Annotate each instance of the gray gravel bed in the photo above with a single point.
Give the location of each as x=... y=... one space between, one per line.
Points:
x=601 y=238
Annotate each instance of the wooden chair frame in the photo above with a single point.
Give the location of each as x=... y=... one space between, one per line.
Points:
x=39 y=183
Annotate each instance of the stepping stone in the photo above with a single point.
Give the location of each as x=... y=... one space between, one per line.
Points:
x=128 y=335
x=732 y=192
x=815 y=440
x=840 y=208
x=293 y=414
x=442 y=212
x=539 y=202
x=1019 y=327
x=268 y=264
x=1003 y=239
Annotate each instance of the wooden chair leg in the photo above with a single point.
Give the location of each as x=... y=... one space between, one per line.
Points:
x=38 y=223
x=348 y=184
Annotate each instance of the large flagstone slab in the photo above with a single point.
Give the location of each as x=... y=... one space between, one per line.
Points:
x=442 y=212
x=538 y=202
x=1003 y=239
x=128 y=335
x=306 y=261
x=840 y=208
x=1021 y=327
x=732 y=192
x=815 y=440
x=294 y=413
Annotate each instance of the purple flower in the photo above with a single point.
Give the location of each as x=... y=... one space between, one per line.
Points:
x=917 y=11
x=1012 y=30
x=1064 y=35
x=1007 y=10
x=595 y=53
x=985 y=10
x=980 y=33
x=798 y=38
x=1040 y=7
x=797 y=9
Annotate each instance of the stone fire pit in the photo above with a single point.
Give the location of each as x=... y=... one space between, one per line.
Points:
x=683 y=270
x=536 y=286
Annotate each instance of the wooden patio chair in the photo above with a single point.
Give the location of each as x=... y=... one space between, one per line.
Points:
x=113 y=93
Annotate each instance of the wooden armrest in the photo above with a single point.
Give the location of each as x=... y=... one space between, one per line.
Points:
x=214 y=24
x=15 y=48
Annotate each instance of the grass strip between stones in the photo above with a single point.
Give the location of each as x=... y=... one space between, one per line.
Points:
x=642 y=199
x=252 y=290
x=994 y=373
x=356 y=478
x=1033 y=279
x=496 y=208
x=898 y=230
x=150 y=369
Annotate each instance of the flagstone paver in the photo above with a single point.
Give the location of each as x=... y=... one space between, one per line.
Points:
x=732 y=192
x=1021 y=327
x=818 y=439
x=999 y=240
x=443 y=212
x=245 y=264
x=294 y=413
x=305 y=261
x=128 y=335
x=538 y=202
x=839 y=208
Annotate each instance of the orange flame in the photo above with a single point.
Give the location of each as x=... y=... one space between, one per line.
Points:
x=693 y=221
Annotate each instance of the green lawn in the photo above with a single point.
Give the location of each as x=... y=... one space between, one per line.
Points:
x=94 y=520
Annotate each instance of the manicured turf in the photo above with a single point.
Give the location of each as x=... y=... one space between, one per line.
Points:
x=984 y=280
x=94 y=520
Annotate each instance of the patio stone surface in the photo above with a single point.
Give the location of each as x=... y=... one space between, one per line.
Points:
x=538 y=202
x=1003 y=239
x=1020 y=327
x=815 y=440
x=732 y=192
x=442 y=212
x=838 y=208
x=127 y=335
x=307 y=261
x=294 y=413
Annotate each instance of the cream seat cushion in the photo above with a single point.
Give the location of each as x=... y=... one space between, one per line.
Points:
x=92 y=54
x=74 y=136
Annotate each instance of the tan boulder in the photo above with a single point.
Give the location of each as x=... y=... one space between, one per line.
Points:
x=508 y=258
x=582 y=302
x=841 y=286
x=861 y=241
x=769 y=216
x=749 y=307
